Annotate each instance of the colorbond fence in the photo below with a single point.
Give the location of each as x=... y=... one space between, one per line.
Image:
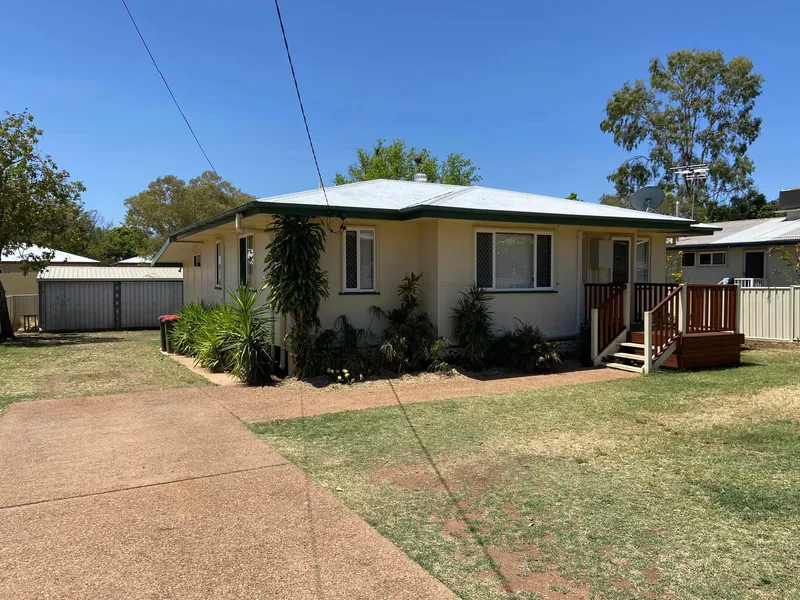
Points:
x=770 y=313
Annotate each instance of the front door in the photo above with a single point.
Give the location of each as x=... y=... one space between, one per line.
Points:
x=621 y=265
x=754 y=265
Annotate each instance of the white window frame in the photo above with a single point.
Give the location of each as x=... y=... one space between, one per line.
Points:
x=197 y=261
x=533 y=232
x=649 y=258
x=711 y=263
x=219 y=265
x=358 y=289
x=239 y=260
x=692 y=252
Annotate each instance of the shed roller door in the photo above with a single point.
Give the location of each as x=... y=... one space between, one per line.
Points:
x=77 y=305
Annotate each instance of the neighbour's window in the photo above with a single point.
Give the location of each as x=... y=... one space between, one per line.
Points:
x=643 y=261
x=218 y=266
x=513 y=261
x=359 y=260
x=196 y=259
x=716 y=259
x=246 y=260
x=688 y=259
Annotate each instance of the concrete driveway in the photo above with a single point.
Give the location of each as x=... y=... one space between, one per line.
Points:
x=168 y=495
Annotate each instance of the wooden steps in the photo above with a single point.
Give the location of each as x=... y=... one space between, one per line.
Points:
x=623 y=367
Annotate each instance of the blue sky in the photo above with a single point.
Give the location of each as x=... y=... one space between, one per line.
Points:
x=519 y=87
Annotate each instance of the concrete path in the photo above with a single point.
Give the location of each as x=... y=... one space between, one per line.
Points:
x=257 y=405
x=167 y=495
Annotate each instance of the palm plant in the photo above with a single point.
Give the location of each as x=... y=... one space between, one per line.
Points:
x=410 y=332
x=472 y=325
x=525 y=349
x=214 y=337
x=191 y=319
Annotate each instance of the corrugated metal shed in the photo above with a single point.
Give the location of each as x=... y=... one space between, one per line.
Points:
x=59 y=273
x=104 y=298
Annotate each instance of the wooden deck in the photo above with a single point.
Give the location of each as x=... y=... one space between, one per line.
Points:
x=701 y=350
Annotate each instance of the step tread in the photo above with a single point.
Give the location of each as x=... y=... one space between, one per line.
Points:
x=628 y=356
x=623 y=367
x=632 y=345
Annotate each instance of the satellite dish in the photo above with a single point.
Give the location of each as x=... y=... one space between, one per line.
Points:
x=647 y=199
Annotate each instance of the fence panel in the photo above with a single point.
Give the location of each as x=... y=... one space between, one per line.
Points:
x=770 y=313
x=17 y=284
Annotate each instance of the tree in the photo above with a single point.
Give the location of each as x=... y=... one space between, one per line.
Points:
x=119 y=243
x=750 y=205
x=296 y=284
x=613 y=200
x=573 y=196
x=667 y=206
x=38 y=201
x=696 y=108
x=169 y=204
x=791 y=263
x=395 y=161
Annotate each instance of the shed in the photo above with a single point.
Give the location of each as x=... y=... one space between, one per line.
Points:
x=106 y=298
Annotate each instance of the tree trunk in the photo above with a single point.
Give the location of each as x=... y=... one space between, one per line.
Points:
x=6 y=331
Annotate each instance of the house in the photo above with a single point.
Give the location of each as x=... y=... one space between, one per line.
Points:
x=134 y=261
x=11 y=261
x=533 y=253
x=741 y=249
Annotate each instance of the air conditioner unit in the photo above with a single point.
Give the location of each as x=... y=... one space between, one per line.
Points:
x=601 y=254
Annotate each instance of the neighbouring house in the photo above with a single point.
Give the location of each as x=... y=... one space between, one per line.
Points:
x=533 y=253
x=11 y=261
x=134 y=261
x=741 y=249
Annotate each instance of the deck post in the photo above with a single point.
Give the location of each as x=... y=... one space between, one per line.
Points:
x=595 y=334
x=684 y=309
x=648 y=342
x=627 y=307
x=737 y=311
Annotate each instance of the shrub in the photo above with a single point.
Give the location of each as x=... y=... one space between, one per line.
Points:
x=343 y=348
x=249 y=338
x=472 y=325
x=213 y=337
x=408 y=337
x=192 y=318
x=525 y=349
x=437 y=356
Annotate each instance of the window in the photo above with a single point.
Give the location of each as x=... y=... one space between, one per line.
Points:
x=218 y=267
x=688 y=259
x=196 y=259
x=754 y=265
x=246 y=260
x=513 y=261
x=359 y=260
x=643 y=261
x=716 y=259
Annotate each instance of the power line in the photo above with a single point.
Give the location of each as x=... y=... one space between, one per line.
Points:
x=164 y=79
x=302 y=108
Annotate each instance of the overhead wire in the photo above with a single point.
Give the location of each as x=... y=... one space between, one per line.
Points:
x=305 y=121
x=169 y=89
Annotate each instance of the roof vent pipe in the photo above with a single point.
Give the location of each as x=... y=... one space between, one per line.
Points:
x=420 y=177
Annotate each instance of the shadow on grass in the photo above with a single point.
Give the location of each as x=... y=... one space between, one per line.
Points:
x=46 y=340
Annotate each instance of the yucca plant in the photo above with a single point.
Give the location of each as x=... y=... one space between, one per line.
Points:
x=192 y=318
x=213 y=338
x=249 y=340
x=472 y=325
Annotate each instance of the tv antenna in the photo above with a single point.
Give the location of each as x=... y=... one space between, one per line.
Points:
x=647 y=199
x=693 y=173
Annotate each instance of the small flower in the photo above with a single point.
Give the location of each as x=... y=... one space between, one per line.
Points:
x=339 y=378
x=345 y=371
x=361 y=377
x=338 y=371
x=330 y=370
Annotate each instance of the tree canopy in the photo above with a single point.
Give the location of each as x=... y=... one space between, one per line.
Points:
x=396 y=161
x=695 y=108
x=169 y=204
x=39 y=203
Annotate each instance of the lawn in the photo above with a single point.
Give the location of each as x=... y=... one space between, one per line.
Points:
x=674 y=485
x=87 y=364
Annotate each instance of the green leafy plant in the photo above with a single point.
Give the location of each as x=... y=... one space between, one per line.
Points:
x=191 y=318
x=407 y=339
x=525 y=348
x=472 y=325
x=344 y=348
x=214 y=336
x=437 y=356
x=249 y=338
x=790 y=269
x=296 y=285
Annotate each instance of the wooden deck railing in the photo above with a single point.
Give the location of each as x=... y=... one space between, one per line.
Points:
x=597 y=293
x=646 y=296
x=611 y=317
x=711 y=308
x=665 y=324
